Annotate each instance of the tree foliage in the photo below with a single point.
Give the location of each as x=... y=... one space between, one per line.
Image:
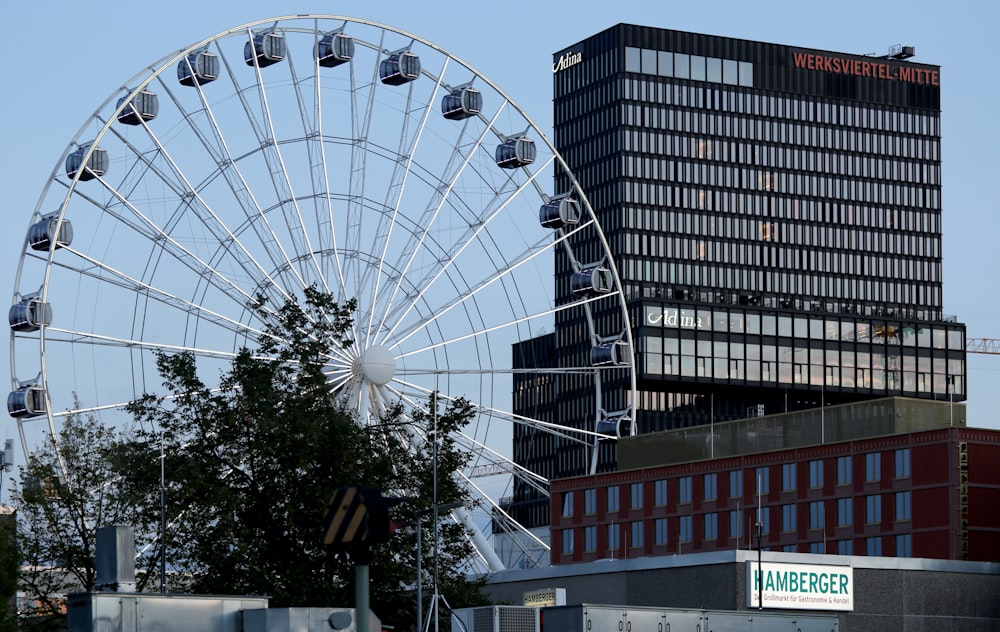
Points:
x=250 y=467
x=69 y=489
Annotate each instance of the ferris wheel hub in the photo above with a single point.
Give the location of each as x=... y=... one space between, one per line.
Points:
x=377 y=365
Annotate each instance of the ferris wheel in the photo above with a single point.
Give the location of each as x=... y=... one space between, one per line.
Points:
x=317 y=151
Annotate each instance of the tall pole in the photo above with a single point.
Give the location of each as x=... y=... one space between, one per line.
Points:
x=760 y=567
x=760 y=562
x=163 y=522
x=362 y=603
x=420 y=590
x=434 y=610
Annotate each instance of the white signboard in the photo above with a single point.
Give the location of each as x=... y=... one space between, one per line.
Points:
x=545 y=597
x=800 y=586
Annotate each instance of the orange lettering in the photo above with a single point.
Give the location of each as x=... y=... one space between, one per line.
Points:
x=859 y=68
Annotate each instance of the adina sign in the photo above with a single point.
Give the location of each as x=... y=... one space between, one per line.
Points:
x=567 y=60
x=800 y=586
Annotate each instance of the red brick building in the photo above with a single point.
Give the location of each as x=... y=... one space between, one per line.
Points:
x=929 y=494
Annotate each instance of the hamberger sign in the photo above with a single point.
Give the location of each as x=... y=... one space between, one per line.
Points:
x=862 y=68
x=801 y=586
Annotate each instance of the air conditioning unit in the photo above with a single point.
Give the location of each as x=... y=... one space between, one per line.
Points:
x=497 y=619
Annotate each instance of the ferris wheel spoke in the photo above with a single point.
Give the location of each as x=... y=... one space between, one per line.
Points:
x=325 y=234
x=105 y=274
x=280 y=175
x=320 y=173
x=483 y=332
x=57 y=334
x=213 y=143
x=397 y=188
x=483 y=452
x=144 y=226
x=560 y=430
x=229 y=167
x=430 y=218
x=185 y=193
x=361 y=122
x=458 y=370
x=462 y=243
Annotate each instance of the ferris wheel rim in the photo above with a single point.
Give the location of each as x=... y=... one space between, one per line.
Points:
x=145 y=79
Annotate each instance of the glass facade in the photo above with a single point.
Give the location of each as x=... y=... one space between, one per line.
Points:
x=776 y=218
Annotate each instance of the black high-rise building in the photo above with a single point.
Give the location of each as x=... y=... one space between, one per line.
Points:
x=775 y=214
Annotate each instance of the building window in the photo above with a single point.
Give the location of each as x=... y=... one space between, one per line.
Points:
x=661 y=531
x=636 y=489
x=789 y=548
x=633 y=57
x=788 y=477
x=762 y=480
x=685 y=528
x=843 y=470
x=711 y=526
x=788 y=517
x=567 y=541
x=660 y=493
x=614 y=537
x=903 y=511
x=817 y=547
x=816 y=515
x=815 y=474
x=904 y=545
x=590 y=501
x=613 y=499
x=873 y=509
x=845 y=547
x=873 y=467
x=873 y=546
x=684 y=489
x=844 y=511
x=636 y=534
x=711 y=486
x=736 y=524
x=903 y=463
x=736 y=484
x=590 y=539
x=567 y=511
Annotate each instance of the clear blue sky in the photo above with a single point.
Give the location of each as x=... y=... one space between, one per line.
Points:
x=63 y=59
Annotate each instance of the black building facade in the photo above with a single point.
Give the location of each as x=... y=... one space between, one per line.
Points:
x=775 y=214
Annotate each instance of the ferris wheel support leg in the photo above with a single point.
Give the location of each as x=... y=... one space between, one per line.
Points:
x=482 y=544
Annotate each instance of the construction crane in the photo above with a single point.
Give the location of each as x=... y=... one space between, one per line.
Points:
x=989 y=346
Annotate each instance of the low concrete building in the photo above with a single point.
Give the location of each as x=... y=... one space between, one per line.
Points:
x=881 y=593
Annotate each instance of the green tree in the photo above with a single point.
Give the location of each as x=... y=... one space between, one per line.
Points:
x=10 y=562
x=69 y=489
x=251 y=466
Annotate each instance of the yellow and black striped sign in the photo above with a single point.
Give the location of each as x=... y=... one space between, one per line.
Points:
x=346 y=517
